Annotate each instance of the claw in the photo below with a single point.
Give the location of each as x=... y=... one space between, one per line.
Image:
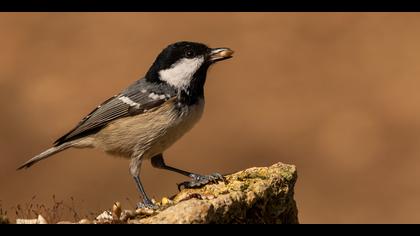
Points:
x=201 y=180
x=180 y=185
x=149 y=205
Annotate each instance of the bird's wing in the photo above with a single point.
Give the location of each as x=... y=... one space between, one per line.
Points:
x=130 y=102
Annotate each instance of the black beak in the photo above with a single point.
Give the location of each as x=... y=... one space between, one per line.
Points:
x=220 y=54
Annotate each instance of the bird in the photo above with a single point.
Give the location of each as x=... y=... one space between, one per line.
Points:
x=151 y=114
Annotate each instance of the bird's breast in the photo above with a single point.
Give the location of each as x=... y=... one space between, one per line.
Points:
x=150 y=133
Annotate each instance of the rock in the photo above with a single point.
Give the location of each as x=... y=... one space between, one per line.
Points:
x=26 y=221
x=255 y=195
x=85 y=221
x=65 y=222
x=105 y=216
x=39 y=220
x=145 y=211
x=165 y=201
x=127 y=215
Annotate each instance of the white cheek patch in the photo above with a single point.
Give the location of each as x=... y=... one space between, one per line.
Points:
x=181 y=73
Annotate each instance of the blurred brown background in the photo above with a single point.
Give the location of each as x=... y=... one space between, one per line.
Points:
x=336 y=94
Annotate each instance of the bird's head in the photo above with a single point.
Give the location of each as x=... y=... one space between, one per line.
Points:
x=184 y=65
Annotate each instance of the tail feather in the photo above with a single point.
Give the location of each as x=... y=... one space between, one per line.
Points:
x=45 y=154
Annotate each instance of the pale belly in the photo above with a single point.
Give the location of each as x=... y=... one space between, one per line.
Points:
x=150 y=133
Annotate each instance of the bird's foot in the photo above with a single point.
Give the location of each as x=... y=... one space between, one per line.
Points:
x=201 y=180
x=147 y=204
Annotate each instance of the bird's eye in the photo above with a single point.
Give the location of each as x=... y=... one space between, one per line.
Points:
x=189 y=53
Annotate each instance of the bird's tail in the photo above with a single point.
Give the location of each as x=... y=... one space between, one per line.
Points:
x=45 y=154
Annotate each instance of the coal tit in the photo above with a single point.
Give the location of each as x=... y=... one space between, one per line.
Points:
x=146 y=118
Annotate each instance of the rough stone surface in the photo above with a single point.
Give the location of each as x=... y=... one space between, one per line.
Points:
x=255 y=195
x=39 y=220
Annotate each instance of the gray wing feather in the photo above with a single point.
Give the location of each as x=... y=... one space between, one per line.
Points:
x=114 y=108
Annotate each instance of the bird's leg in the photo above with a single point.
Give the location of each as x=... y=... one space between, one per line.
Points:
x=135 y=172
x=147 y=203
x=197 y=180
